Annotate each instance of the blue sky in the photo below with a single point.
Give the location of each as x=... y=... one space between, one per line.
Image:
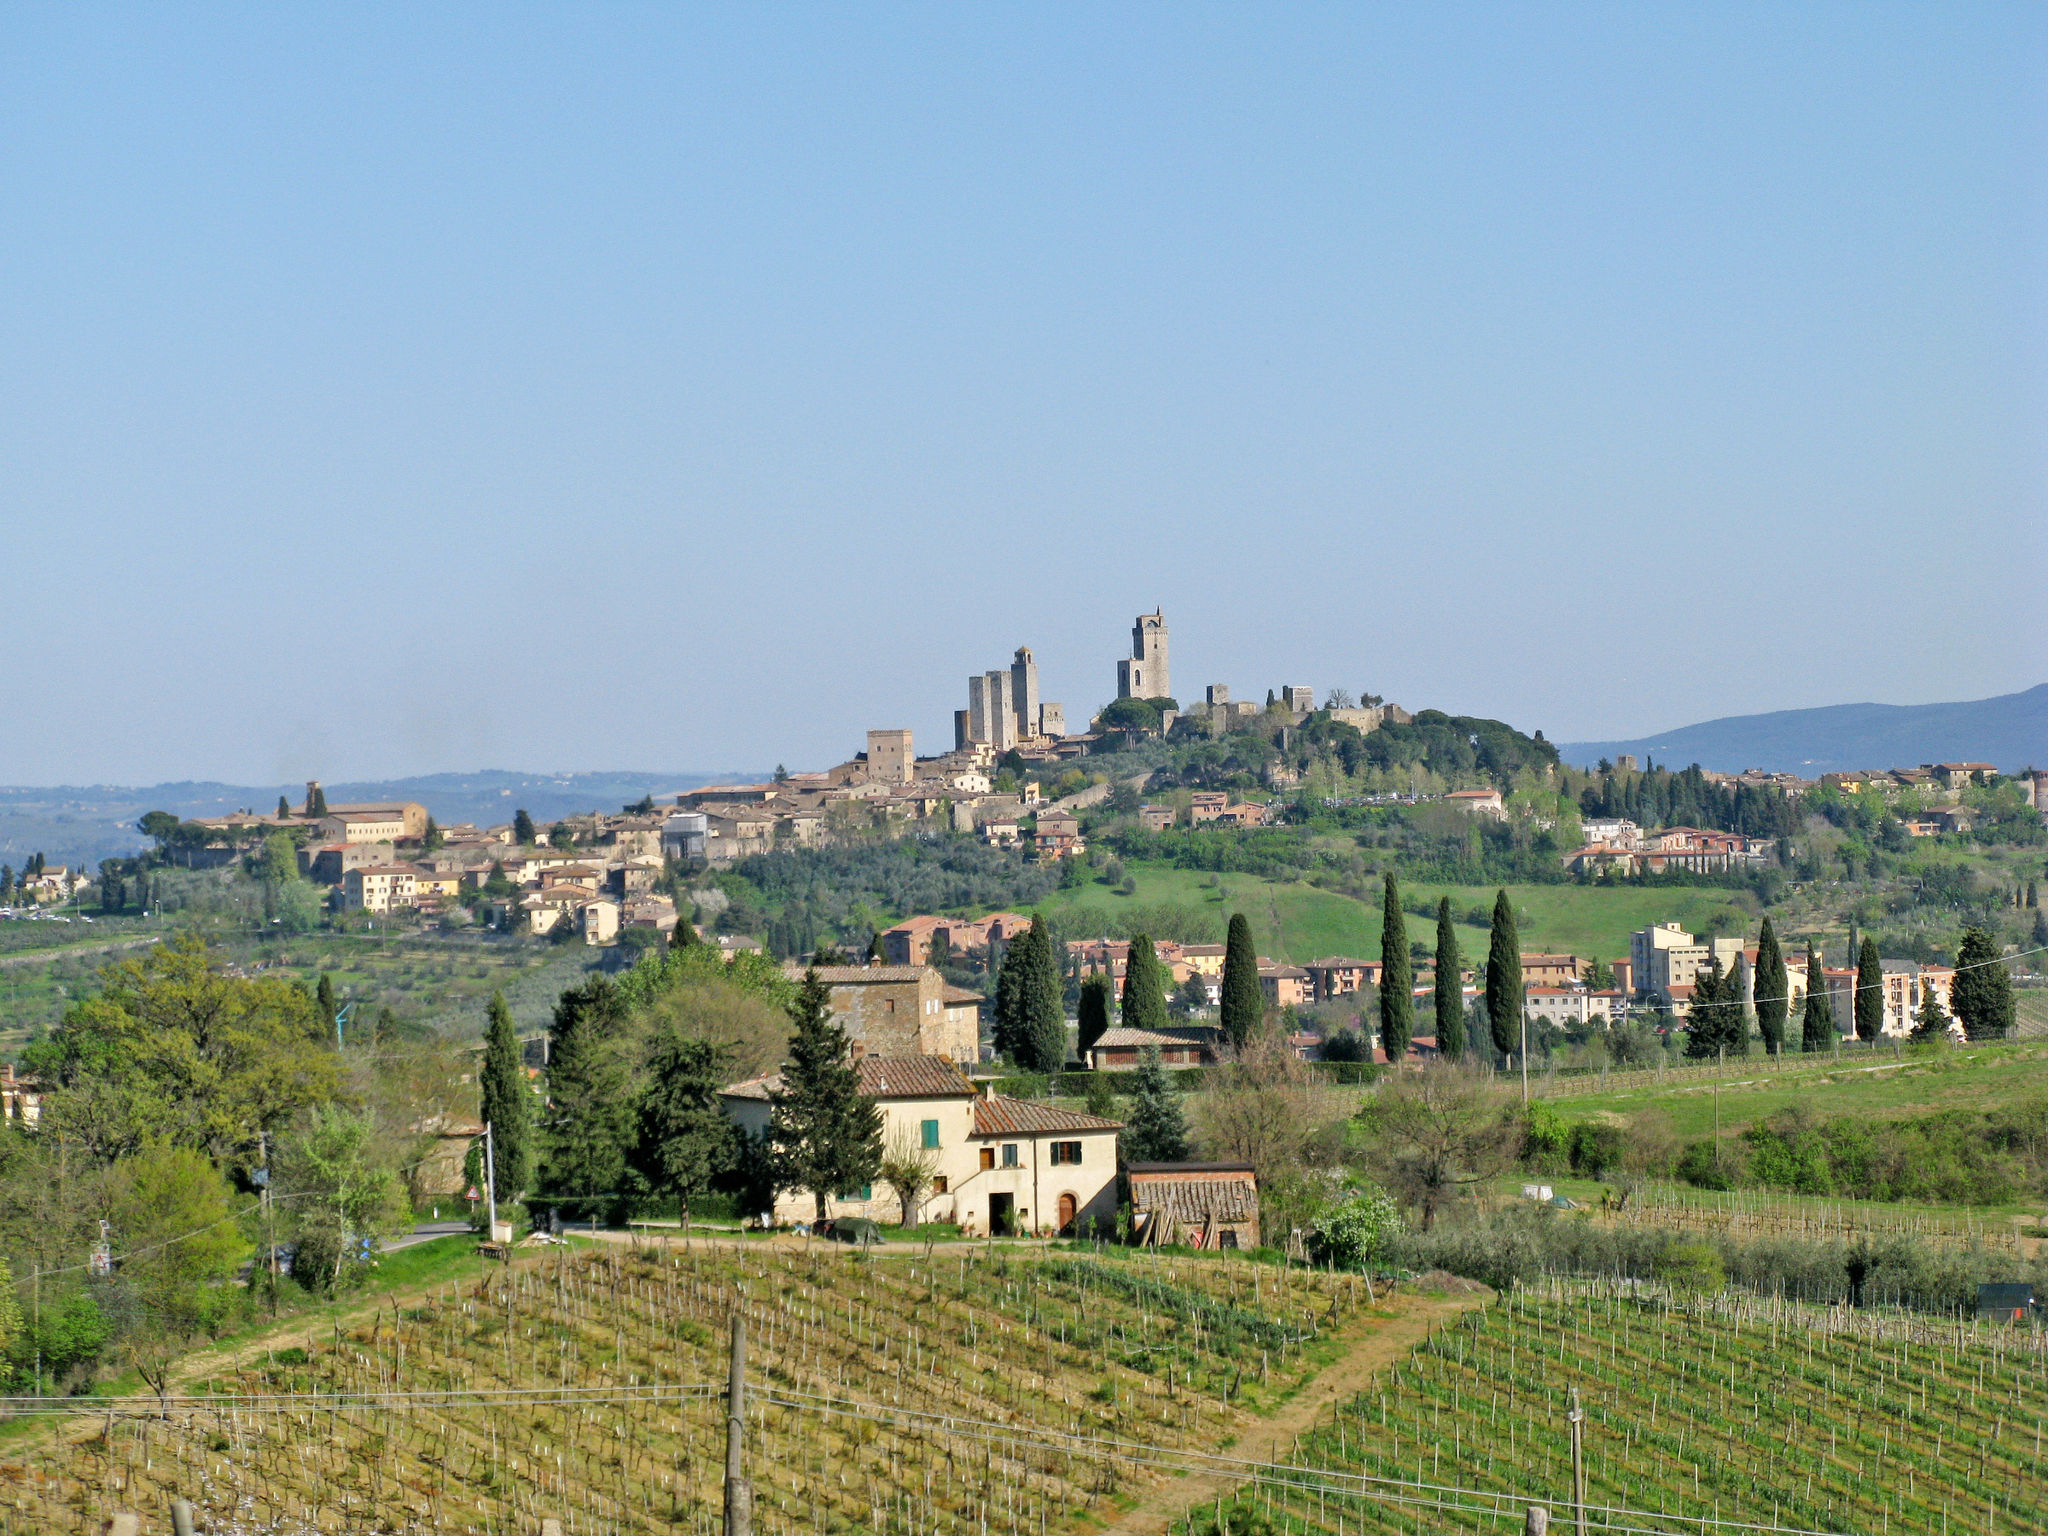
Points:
x=396 y=389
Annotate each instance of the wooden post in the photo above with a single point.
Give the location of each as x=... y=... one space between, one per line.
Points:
x=1536 y=1521
x=1577 y=1419
x=739 y=1493
x=181 y=1517
x=124 y=1523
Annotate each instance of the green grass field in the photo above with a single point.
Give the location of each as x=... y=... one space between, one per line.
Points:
x=1297 y=922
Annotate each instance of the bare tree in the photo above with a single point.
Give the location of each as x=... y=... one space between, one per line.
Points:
x=1434 y=1135
x=908 y=1170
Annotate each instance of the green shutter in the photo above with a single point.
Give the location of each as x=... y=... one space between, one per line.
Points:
x=930 y=1131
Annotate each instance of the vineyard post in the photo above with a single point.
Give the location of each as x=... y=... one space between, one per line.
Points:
x=1536 y=1521
x=739 y=1494
x=1577 y=1419
x=181 y=1517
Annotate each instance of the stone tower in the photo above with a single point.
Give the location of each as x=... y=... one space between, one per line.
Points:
x=1145 y=675
x=890 y=757
x=1024 y=690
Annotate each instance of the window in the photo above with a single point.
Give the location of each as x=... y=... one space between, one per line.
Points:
x=1009 y=1154
x=928 y=1134
x=1066 y=1152
x=988 y=1157
x=938 y=1184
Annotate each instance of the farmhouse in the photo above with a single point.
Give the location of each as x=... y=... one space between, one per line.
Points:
x=1001 y=1166
x=1203 y=1205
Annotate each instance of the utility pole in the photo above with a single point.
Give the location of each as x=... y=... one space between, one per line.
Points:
x=739 y=1493
x=1720 y=1065
x=1577 y=1419
x=1525 y=1057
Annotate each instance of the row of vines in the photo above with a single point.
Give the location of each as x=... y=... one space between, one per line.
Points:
x=584 y=1387
x=1747 y=1411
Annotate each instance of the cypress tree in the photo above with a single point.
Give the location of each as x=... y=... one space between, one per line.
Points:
x=1931 y=1022
x=1144 y=1001
x=1772 y=1003
x=1007 y=1030
x=1450 y=989
x=1817 y=1017
x=1397 y=975
x=522 y=829
x=1045 y=1019
x=590 y=1103
x=507 y=1106
x=284 y=807
x=323 y=999
x=685 y=936
x=1156 y=1132
x=1869 y=991
x=1094 y=1012
x=1714 y=1022
x=1981 y=993
x=682 y=1138
x=1243 y=1003
x=828 y=1138
x=1504 y=997
x=316 y=802
x=432 y=838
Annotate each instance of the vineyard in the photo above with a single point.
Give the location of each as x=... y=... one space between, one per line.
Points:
x=984 y=1392
x=1746 y=1412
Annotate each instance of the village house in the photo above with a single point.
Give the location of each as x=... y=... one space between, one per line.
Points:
x=1285 y=986
x=901 y=1010
x=1002 y=1166
x=1547 y=970
x=910 y=941
x=380 y=888
x=1487 y=801
x=1340 y=976
x=1058 y=835
x=1121 y=1048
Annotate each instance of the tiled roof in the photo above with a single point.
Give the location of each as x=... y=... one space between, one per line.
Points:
x=962 y=995
x=843 y=975
x=1027 y=1117
x=1128 y=1038
x=912 y=1077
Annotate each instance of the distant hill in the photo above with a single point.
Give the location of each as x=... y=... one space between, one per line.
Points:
x=84 y=824
x=2011 y=731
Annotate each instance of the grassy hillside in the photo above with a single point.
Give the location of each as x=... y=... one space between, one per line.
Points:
x=584 y=1386
x=1299 y=922
x=1713 y=1410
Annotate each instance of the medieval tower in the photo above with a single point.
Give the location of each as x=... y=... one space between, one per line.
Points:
x=1145 y=674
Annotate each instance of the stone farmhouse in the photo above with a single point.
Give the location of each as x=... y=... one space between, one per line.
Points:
x=1002 y=1166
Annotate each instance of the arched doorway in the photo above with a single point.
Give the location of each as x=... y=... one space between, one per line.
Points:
x=1069 y=1207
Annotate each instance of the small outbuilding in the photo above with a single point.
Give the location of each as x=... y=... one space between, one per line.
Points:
x=1198 y=1205
x=2012 y=1303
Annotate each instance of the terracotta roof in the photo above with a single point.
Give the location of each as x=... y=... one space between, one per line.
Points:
x=1120 y=1036
x=1028 y=1117
x=912 y=1077
x=881 y=1077
x=843 y=975
x=962 y=995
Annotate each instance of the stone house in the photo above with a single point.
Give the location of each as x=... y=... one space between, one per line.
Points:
x=901 y=1010
x=1200 y=1205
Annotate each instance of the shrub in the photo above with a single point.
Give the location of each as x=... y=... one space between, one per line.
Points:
x=1358 y=1231
x=1694 y=1268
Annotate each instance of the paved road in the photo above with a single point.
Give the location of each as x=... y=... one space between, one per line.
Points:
x=426 y=1232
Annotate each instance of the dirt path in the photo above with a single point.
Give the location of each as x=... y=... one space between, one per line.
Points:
x=1272 y=1439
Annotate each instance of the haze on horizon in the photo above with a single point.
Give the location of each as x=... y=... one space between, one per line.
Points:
x=390 y=392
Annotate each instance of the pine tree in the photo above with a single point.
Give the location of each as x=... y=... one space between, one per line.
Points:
x=1144 y=1000
x=1817 y=1013
x=1094 y=1011
x=1772 y=1003
x=522 y=829
x=1156 y=1132
x=828 y=1138
x=588 y=1120
x=1504 y=996
x=682 y=1139
x=1045 y=1018
x=507 y=1105
x=1450 y=986
x=1981 y=993
x=1244 y=1005
x=1931 y=1022
x=1869 y=992
x=1714 y=1021
x=1397 y=975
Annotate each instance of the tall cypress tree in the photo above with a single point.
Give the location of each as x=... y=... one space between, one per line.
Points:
x=1243 y=1003
x=1156 y=1132
x=1981 y=993
x=1450 y=986
x=323 y=998
x=507 y=1106
x=522 y=829
x=685 y=936
x=1045 y=1019
x=1007 y=1029
x=1869 y=991
x=1397 y=975
x=1504 y=996
x=828 y=1138
x=682 y=1139
x=1094 y=1012
x=589 y=1112
x=284 y=807
x=1772 y=1003
x=1817 y=1016
x=1144 y=1001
